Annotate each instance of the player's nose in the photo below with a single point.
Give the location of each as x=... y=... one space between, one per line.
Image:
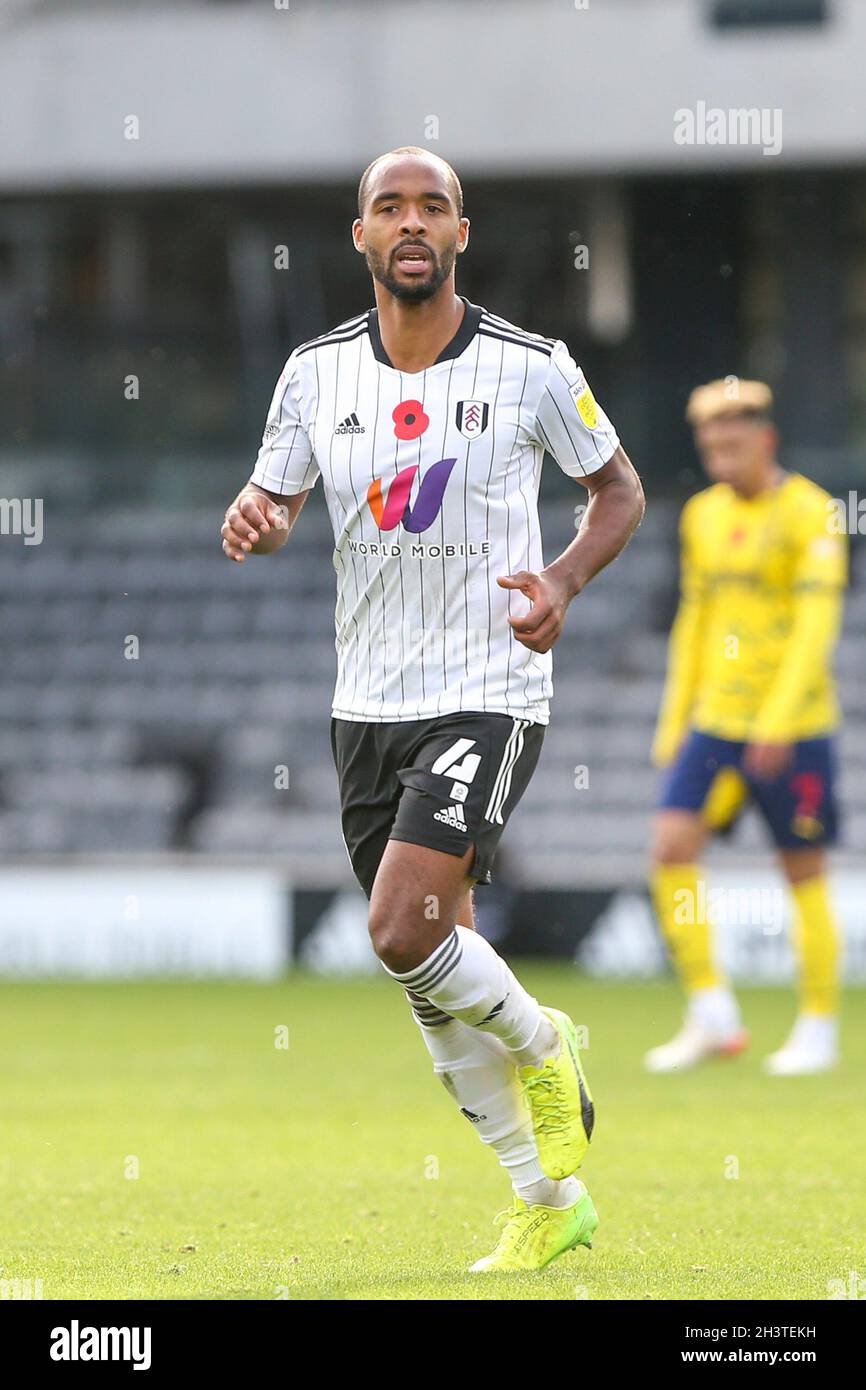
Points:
x=413 y=224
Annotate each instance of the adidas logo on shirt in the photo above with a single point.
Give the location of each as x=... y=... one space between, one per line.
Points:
x=453 y=816
x=351 y=425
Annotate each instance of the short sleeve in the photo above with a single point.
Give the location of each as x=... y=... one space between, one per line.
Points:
x=569 y=421
x=285 y=462
x=822 y=555
x=693 y=582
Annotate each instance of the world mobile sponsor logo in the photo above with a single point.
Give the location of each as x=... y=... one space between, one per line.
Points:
x=421 y=550
x=394 y=509
x=391 y=507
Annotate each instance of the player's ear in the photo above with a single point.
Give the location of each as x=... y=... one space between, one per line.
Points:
x=463 y=235
x=358 y=235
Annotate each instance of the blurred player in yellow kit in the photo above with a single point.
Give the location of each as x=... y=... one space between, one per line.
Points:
x=749 y=710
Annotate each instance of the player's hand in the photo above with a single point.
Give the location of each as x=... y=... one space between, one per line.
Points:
x=767 y=760
x=665 y=748
x=541 y=626
x=251 y=516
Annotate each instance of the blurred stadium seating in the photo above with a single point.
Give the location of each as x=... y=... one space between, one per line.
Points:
x=177 y=748
x=148 y=254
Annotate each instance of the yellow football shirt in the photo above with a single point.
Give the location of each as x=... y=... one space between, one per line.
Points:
x=760 y=608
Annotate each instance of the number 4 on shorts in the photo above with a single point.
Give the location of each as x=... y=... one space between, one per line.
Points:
x=450 y=765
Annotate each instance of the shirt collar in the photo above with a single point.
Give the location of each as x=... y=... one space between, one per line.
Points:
x=459 y=343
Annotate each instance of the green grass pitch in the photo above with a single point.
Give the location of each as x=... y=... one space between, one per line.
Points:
x=339 y=1168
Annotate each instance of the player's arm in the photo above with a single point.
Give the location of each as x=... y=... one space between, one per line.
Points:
x=684 y=653
x=819 y=582
x=614 y=512
x=575 y=430
x=258 y=522
x=262 y=515
x=615 y=508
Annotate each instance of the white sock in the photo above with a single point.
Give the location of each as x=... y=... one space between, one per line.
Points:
x=477 y=1071
x=716 y=1009
x=815 y=1031
x=466 y=979
x=547 y=1193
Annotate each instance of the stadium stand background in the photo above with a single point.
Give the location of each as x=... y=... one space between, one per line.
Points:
x=153 y=258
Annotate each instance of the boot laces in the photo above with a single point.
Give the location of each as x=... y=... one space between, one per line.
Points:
x=548 y=1102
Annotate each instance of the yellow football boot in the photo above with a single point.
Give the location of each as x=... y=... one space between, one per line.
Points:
x=533 y=1236
x=559 y=1103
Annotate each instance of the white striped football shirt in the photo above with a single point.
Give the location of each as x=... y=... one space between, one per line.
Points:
x=431 y=482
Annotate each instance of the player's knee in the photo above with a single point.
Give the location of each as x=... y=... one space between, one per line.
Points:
x=394 y=943
x=800 y=865
x=676 y=840
x=667 y=852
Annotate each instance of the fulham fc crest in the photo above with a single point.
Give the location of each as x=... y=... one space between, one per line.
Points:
x=472 y=418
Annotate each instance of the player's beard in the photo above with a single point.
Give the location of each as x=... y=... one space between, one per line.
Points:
x=440 y=269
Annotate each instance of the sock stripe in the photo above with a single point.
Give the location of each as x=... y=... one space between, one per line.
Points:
x=445 y=969
x=436 y=967
x=424 y=1010
x=432 y=1019
x=410 y=976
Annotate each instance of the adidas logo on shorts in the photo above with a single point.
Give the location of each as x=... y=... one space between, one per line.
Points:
x=351 y=425
x=453 y=816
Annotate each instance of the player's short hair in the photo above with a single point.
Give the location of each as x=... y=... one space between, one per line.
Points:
x=728 y=399
x=456 y=189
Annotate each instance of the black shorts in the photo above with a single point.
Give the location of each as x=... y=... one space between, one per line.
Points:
x=446 y=783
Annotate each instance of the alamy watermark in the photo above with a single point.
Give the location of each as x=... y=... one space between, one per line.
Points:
x=735 y=907
x=15 y=1289
x=847 y=516
x=854 y=1287
x=22 y=516
x=711 y=125
x=430 y=643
